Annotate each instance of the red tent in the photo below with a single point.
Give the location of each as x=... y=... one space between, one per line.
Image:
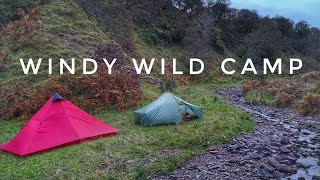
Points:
x=57 y=123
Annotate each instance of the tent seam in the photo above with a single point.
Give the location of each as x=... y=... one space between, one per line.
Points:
x=70 y=121
x=181 y=118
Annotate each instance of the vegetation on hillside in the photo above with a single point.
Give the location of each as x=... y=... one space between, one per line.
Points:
x=157 y=28
x=60 y=29
x=300 y=92
x=55 y=30
x=206 y=31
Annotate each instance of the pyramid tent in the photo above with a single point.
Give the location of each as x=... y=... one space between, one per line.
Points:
x=57 y=123
x=167 y=109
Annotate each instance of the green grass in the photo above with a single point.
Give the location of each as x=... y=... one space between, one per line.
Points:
x=67 y=33
x=258 y=96
x=137 y=152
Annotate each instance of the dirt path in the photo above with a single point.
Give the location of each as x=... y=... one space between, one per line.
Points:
x=284 y=145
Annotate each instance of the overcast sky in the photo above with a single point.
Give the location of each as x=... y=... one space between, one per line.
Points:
x=296 y=10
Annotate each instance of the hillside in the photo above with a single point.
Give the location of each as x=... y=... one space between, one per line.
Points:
x=136 y=29
x=74 y=29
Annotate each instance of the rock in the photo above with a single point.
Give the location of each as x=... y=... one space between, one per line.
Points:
x=191 y=167
x=289 y=146
x=214 y=167
x=213 y=152
x=258 y=147
x=315 y=177
x=233 y=161
x=213 y=148
x=61 y=170
x=307 y=162
x=305 y=132
x=278 y=166
x=264 y=175
x=285 y=140
x=267 y=167
x=314 y=171
x=305 y=154
x=226 y=174
x=272 y=161
x=266 y=154
x=22 y=164
x=276 y=157
x=234 y=147
x=290 y=158
x=284 y=150
x=254 y=155
x=285 y=168
x=244 y=162
x=173 y=177
x=312 y=146
x=300 y=174
x=270 y=150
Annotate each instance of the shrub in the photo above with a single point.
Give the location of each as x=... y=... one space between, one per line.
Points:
x=18 y=100
x=301 y=91
x=316 y=87
x=113 y=18
x=98 y=91
x=259 y=96
x=110 y=51
x=311 y=76
x=21 y=32
x=283 y=99
x=310 y=104
x=169 y=81
x=246 y=88
x=10 y=9
x=102 y=90
x=4 y=59
x=216 y=41
x=169 y=85
x=250 y=85
x=149 y=37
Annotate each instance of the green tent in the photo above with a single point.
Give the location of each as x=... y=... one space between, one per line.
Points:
x=167 y=109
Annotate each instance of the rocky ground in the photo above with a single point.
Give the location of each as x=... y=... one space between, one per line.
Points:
x=284 y=145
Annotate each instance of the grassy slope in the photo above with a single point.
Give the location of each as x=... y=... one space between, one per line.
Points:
x=136 y=150
x=67 y=33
